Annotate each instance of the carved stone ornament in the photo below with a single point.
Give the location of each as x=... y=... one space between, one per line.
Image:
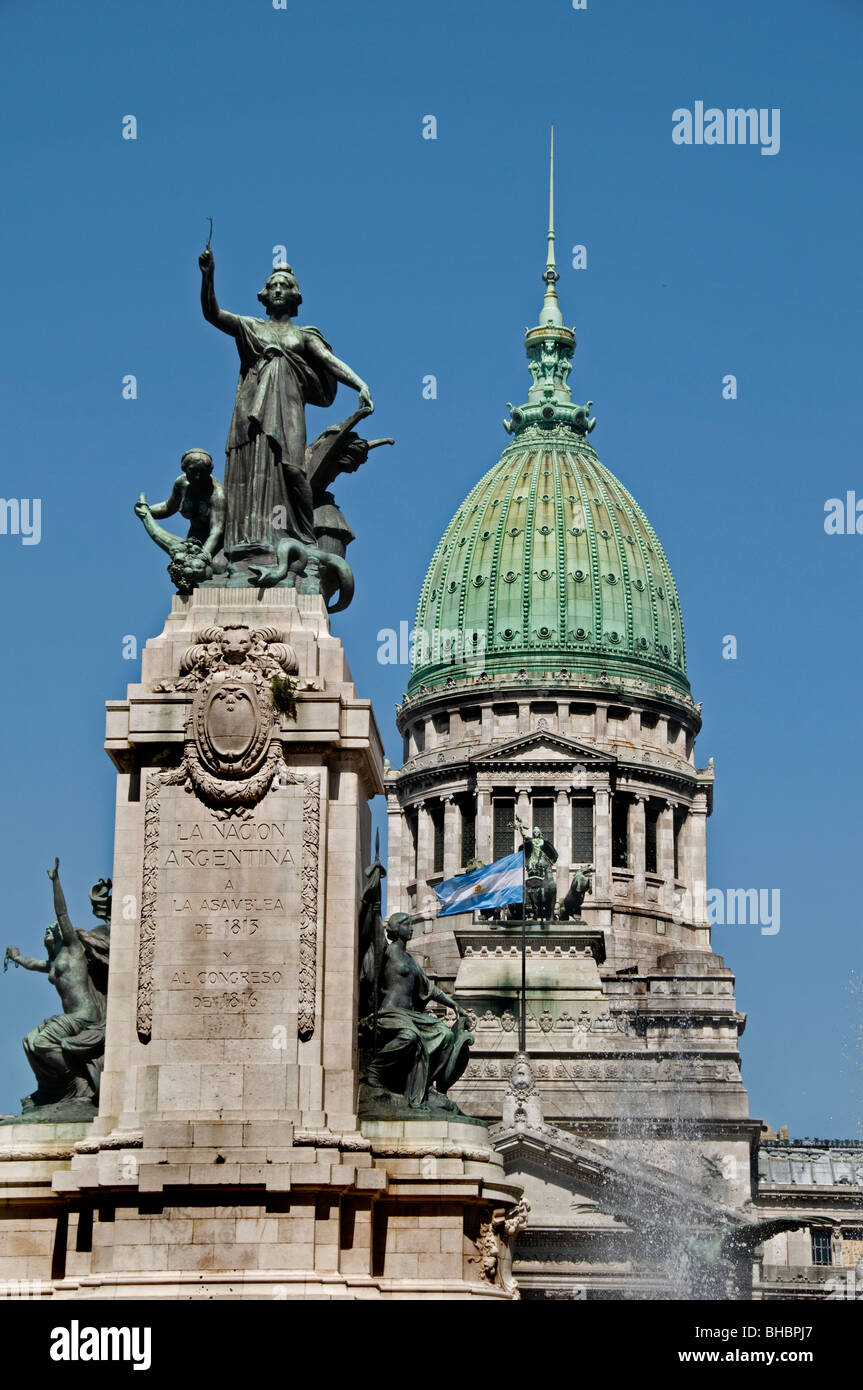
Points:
x=522 y=1104
x=494 y=1246
x=232 y=752
x=232 y=748
x=234 y=647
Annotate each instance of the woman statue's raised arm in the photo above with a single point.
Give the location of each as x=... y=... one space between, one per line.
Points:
x=68 y=932
x=209 y=304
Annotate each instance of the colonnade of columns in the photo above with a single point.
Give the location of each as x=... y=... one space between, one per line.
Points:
x=412 y=841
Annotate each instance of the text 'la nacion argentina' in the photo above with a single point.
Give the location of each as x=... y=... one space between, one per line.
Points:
x=271 y=849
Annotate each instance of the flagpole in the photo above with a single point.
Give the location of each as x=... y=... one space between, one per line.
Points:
x=522 y=1022
x=378 y=959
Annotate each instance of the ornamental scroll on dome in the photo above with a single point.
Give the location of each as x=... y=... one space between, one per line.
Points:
x=232 y=747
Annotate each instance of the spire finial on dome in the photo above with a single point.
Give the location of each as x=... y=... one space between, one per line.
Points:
x=550 y=312
x=549 y=346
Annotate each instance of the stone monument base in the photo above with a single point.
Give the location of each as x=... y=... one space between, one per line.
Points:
x=222 y=1210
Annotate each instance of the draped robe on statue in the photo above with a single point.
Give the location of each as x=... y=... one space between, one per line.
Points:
x=413 y=1050
x=71 y=1045
x=265 y=452
x=417 y=1050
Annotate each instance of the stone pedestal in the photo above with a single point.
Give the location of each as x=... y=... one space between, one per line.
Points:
x=562 y=981
x=227 y=1160
x=234 y=935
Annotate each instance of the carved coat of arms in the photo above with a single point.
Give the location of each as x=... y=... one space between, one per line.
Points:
x=232 y=747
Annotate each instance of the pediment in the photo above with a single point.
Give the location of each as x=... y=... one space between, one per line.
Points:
x=541 y=746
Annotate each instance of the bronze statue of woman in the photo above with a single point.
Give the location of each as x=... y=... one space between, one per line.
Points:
x=413 y=1057
x=283 y=367
x=66 y=1051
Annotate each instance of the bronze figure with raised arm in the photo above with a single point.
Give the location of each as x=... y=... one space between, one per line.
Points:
x=65 y=1051
x=283 y=368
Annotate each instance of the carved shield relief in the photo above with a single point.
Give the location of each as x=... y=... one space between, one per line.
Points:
x=230 y=727
x=230 y=739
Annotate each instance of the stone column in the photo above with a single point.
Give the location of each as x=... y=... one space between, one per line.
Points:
x=410 y=853
x=522 y=807
x=600 y=720
x=425 y=850
x=397 y=832
x=696 y=867
x=621 y=729
x=410 y=844
x=602 y=841
x=665 y=854
x=636 y=855
x=562 y=841
x=483 y=824
x=451 y=837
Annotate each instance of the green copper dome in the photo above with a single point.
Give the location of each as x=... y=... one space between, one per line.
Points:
x=549 y=566
x=553 y=564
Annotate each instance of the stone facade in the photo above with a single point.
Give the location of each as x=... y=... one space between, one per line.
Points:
x=652 y=1022
x=500 y=744
x=632 y=1027
x=823 y=1179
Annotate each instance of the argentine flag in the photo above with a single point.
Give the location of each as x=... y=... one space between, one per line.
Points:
x=494 y=885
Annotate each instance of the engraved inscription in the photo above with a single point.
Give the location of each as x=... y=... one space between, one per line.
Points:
x=229 y=913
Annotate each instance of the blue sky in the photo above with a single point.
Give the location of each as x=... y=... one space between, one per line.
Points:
x=303 y=127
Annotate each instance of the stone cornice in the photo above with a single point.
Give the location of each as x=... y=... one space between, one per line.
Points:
x=461 y=766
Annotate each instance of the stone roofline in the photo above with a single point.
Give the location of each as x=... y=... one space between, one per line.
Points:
x=777 y=1145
